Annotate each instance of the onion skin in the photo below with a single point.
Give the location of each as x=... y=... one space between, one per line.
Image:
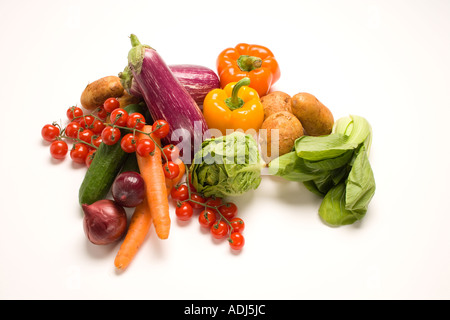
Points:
x=128 y=189
x=104 y=221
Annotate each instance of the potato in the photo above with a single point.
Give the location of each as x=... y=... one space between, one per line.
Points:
x=275 y=102
x=316 y=119
x=95 y=93
x=289 y=129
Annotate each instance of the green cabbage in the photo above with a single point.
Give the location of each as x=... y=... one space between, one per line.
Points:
x=226 y=166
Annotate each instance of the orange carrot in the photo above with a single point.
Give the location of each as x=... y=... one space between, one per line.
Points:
x=170 y=183
x=151 y=170
x=140 y=223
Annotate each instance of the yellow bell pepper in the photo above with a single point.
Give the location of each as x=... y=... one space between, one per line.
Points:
x=235 y=107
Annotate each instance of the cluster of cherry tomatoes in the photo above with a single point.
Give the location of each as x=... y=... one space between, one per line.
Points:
x=219 y=217
x=105 y=125
x=88 y=131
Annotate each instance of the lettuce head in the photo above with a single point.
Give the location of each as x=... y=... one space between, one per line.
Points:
x=229 y=165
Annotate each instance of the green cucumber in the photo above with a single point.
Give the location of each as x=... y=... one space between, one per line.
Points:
x=105 y=166
x=130 y=164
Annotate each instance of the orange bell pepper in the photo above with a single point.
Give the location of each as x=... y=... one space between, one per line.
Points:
x=253 y=61
x=235 y=107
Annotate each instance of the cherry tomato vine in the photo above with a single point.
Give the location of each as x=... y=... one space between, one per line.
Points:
x=105 y=125
x=220 y=218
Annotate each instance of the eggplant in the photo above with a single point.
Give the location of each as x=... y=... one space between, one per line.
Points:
x=166 y=98
x=197 y=80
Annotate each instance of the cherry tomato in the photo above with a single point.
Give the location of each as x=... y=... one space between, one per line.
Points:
x=111 y=104
x=58 y=149
x=180 y=193
x=97 y=141
x=129 y=142
x=79 y=153
x=214 y=202
x=237 y=224
x=98 y=126
x=161 y=128
x=110 y=135
x=86 y=135
x=87 y=121
x=171 y=170
x=101 y=113
x=171 y=152
x=72 y=129
x=207 y=218
x=90 y=157
x=119 y=117
x=219 y=229
x=74 y=112
x=145 y=147
x=228 y=210
x=49 y=132
x=198 y=198
x=136 y=120
x=184 y=211
x=236 y=241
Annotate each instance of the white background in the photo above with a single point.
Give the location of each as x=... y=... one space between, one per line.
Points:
x=387 y=61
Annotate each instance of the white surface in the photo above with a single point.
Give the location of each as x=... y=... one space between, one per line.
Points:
x=385 y=60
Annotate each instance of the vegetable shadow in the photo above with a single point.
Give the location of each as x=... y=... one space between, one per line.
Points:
x=101 y=251
x=294 y=193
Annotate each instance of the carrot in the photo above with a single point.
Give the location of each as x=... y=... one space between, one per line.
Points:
x=140 y=223
x=151 y=170
x=170 y=183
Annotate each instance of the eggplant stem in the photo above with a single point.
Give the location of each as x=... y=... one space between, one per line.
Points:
x=134 y=40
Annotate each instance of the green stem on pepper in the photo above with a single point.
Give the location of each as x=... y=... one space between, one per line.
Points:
x=248 y=63
x=234 y=102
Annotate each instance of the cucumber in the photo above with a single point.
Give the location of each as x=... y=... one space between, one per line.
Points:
x=130 y=164
x=105 y=166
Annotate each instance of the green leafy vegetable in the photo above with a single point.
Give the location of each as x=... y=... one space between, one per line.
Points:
x=360 y=185
x=332 y=210
x=291 y=167
x=226 y=166
x=324 y=147
x=335 y=167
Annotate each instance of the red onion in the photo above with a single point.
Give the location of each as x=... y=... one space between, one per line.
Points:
x=128 y=189
x=104 y=221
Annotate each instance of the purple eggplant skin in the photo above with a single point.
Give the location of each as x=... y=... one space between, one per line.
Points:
x=197 y=80
x=167 y=99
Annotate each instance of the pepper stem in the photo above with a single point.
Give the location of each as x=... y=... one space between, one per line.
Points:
x=248 y=63
x=234 y=102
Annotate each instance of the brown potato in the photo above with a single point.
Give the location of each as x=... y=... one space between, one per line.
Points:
x=95 y=93
x=317 y=120
x=275 y=102
x=289 y=129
